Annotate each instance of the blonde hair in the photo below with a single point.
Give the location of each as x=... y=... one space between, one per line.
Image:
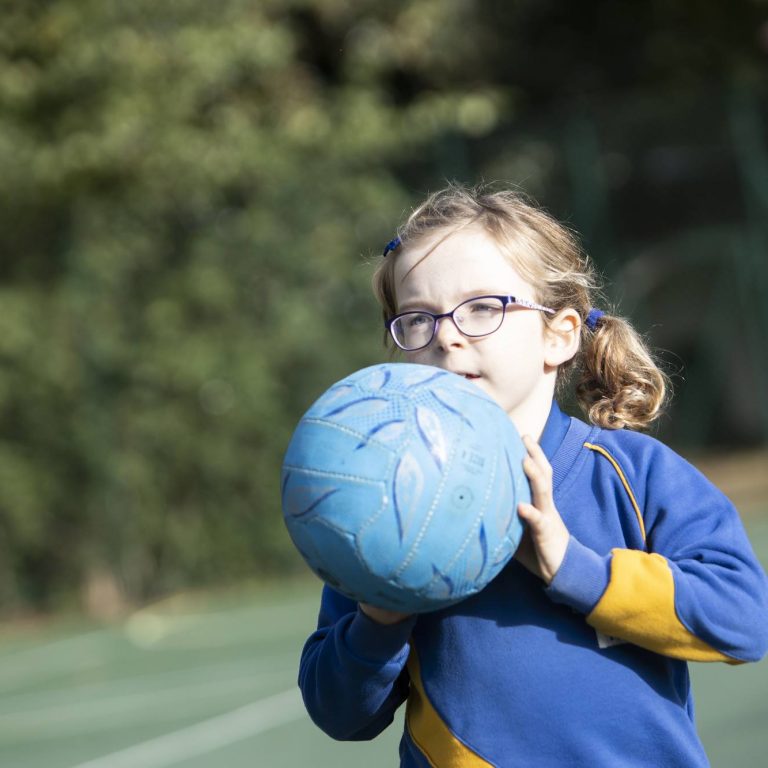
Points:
x=618 y=383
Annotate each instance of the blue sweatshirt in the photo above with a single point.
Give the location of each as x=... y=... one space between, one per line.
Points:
x=590 y=671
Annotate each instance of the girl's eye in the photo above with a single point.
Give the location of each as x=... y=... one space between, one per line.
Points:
x=414 y=321
x=481 y=308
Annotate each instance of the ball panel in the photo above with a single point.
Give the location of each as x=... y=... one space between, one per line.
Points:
x=432 y=434
x=349 y=505
x=462 y=398
x=328 y=552
x=337 y=451
x=386 y=541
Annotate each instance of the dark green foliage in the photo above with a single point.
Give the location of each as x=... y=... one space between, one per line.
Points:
x=188 y=193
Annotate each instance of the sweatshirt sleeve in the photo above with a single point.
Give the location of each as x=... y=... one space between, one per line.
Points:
x=697 y=590
x=352 y=672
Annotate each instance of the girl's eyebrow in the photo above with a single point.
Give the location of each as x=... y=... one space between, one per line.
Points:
x=428 y=306
x=415 y=304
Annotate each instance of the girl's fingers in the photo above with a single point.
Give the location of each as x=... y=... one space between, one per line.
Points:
x=539 y=472
x=381 y=615
x=534 y=518
x=537 y=479
x=533 y=448
x=526 y=554
x=547 y=533
x=528 y=512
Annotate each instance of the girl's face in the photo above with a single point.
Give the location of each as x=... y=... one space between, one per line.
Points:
x=515 y=365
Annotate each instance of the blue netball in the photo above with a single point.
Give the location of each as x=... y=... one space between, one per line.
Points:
x=400 y=487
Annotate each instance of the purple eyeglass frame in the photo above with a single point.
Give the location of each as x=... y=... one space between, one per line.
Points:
x=436 y=318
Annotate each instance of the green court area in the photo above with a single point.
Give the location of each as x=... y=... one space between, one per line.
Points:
x=209 y=680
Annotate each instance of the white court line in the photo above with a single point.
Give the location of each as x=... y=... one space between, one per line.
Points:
x=207 y=736
x=51 y=660
x=78 y=716
x=44 y=650
x=110 y=688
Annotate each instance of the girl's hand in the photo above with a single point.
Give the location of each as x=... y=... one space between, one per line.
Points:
x=543 y=546
x=382 y=616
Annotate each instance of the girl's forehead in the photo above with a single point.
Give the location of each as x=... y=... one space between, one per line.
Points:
x=443 y=268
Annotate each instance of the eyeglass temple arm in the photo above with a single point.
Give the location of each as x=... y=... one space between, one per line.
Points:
x=529 y=304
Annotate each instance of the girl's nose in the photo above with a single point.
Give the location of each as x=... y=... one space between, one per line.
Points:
x=448 y=335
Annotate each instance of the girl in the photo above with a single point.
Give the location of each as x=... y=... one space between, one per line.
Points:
x=632 y=564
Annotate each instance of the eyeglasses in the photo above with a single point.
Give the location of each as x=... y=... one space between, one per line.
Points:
x=479 y=316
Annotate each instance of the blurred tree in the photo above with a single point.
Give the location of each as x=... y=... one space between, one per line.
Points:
x=186 y=191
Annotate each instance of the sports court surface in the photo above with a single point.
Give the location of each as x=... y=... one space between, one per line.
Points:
x=207 y=680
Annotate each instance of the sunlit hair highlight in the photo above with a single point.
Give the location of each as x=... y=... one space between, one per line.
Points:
x=617 y=382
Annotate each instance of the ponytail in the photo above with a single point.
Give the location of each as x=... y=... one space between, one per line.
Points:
x=619 y=383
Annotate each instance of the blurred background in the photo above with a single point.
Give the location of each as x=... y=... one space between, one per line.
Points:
x=192 y=195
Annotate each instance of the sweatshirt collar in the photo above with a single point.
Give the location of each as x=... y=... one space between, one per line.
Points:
x=563 y=441
x=554 y=431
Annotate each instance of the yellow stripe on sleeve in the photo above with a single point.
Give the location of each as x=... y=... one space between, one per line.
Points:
x=599 y=449
x=639 y=606
x=428 y=730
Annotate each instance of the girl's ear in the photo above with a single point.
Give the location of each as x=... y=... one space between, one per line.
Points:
x=561 y=337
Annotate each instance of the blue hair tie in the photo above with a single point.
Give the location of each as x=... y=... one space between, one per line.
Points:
x=391 y=245
x=593 y=318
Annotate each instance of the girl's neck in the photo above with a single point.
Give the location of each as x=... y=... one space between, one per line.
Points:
x=530 y=417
